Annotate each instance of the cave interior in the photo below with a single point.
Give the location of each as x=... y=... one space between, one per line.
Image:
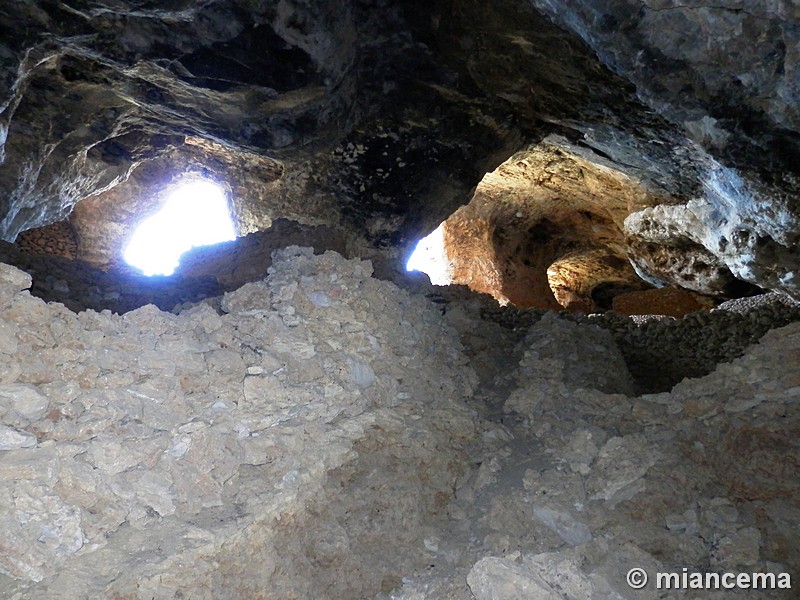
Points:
x=599 y=372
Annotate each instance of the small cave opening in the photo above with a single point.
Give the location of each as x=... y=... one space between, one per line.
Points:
x=195 y=212
x=430 y=257
x=541 y=231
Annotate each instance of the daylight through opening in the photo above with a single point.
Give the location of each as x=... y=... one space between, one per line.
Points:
x=195 y=214
x=430 y=257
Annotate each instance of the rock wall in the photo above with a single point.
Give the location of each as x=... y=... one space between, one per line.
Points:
x=545 y=229
x=719 y=80
x=57 y=239
x=252 y=184
x=727 y=75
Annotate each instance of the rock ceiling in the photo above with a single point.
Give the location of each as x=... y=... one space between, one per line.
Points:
x=650 y=138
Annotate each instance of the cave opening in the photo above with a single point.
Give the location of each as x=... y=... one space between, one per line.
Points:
x=430 y=257
x=195 y=213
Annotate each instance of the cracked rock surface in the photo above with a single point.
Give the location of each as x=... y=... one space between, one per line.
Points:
x=158 y=451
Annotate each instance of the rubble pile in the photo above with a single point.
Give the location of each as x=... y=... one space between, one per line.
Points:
x=316 y=424
x=577 y=486
x=324 y=434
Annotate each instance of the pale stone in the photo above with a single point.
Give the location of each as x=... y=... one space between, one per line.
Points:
x=190 y=451
x=8 y=337
x=361 y=373
x=31 y=464
x=24 y=399
x=13 y=280
x=739 y=549
x=49 y=530
x=250 y=297
x=11 y=438
x=565 y=525
x=620 y=465
x=500 y=579
x=320 y=299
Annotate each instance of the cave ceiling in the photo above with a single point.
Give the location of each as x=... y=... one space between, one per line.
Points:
x=383 y=117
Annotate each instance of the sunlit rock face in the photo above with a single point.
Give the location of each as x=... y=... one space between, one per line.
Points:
x=545 y=229
x=382 y=117
x=714 y=243
x=105 y=222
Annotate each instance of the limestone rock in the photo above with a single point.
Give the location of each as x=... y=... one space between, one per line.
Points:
x=211 y=434
x=659 y=31
x=571 y=531
x=546 y=576
x=544 y=229
x=592 y=361
x=14 y=280
x=621 y=464
x=501 y=579
x=152 y=453
x=25 y=400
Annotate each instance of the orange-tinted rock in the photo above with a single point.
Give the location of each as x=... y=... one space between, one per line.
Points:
x=672 y=302
x=544 y=230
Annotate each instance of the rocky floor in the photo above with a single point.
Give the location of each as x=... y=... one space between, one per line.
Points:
x=323 y=434
x=578 y=481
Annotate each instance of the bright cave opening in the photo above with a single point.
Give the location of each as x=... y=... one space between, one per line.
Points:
x=430 y=257
x=195 y=213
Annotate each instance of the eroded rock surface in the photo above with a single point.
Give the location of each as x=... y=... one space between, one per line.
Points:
x=545 y=229
x=727 y=74
x=382 y=118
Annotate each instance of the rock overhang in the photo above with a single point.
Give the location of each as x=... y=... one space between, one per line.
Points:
x=382 y=120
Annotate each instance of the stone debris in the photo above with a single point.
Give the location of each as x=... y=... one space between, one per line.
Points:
x=660 y=351
x=669 y=301
x=593 y=484
x=144 y=455
x=11 y=438
x=324 y=434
